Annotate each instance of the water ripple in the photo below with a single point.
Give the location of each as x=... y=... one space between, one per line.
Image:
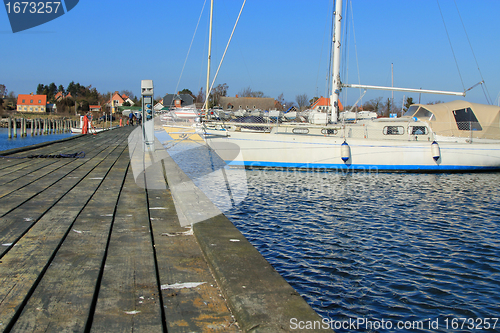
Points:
x=380 y=246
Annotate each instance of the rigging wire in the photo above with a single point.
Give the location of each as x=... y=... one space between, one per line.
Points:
x=486 y=93
x=190 y=45
x=361 y=93
x=205 y=106
x=451 y=46
x=321 y=54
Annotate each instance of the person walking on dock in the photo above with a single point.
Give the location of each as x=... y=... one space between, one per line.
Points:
x=139 y=118
x=131 y=118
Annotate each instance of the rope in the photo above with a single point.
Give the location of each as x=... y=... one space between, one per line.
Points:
x=75 y=155
x=223 y=55
x=189 y=50
x=451 y=46
x=486 y=93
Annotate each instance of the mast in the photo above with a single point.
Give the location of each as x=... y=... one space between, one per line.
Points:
x=207 y=91
x=336 y=85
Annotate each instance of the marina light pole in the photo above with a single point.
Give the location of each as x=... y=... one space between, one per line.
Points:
x=148 y=129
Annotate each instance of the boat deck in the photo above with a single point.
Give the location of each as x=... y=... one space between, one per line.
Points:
x=84 y=248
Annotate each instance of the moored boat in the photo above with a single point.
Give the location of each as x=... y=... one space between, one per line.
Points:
x=449 y=137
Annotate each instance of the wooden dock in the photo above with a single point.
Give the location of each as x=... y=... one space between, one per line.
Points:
x=83 y=248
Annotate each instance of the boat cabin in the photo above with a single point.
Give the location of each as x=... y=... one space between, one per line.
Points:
x=459 y=119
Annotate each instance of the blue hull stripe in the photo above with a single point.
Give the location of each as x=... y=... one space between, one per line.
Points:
x=358 y=167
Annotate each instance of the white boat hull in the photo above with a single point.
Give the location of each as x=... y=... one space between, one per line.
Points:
x=266 y=150
x=78 y=130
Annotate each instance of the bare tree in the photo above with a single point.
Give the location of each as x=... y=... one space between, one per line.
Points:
x=302 y=101
x=200 y=98
x=217 y=93
x=128 y=93
x=373 y=105
x=248 y=92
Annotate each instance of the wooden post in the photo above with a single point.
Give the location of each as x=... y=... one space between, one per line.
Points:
x=15 y=128
x=10 y=127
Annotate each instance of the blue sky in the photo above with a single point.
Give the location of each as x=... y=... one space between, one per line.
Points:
x=280 y=46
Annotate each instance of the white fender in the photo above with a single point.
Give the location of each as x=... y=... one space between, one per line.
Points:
x=436 y=152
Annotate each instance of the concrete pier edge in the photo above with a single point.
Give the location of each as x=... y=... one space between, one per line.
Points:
x=259 y=297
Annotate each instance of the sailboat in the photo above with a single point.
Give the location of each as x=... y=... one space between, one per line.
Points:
x=456 y=136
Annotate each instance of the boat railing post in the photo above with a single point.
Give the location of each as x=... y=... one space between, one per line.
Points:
x=470 y=130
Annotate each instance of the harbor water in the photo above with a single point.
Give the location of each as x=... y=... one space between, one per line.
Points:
x=371 y=252
x=6 y=143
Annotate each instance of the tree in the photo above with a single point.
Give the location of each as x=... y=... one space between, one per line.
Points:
x=40 y=88
x=435 y=102
x=373 y=105
x=71 y=89
x=302 y=101
x=3 y=91
x=217 y=93
x=388 y=107
x=248 y=92
x=11 y=100
x=280 y=101
x=51 y=91
x=186 y=92
x=408 y=103
x=61 y=89
x=200 y=98
x=128 y=93
x=313 y=100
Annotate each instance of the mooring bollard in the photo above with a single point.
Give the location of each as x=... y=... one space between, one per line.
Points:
x=10 y=128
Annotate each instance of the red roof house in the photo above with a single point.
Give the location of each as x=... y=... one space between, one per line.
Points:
x=323 y=104
x=31 y=103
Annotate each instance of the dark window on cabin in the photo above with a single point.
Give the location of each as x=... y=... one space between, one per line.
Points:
x=423 y=113
x=419 y=130
x=394 y=130
x=466 y=120
x=411 y=110
x=328 y=131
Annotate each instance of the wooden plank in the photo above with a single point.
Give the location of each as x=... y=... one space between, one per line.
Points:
x=128 y=299
x=63 y=300
x=84 y=180
x=70 y=173
x=82 y=143
x=14 y=172
x=87 y=176
x=24 y=264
